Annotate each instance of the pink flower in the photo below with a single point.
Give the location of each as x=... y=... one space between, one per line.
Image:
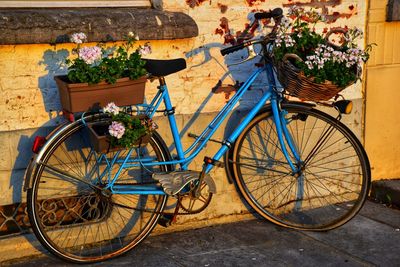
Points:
x=111 y=108
x=116 y=129
x=90 y=54
x=78 y=37
x=145 y=50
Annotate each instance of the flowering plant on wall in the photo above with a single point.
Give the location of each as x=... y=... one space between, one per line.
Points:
x=318 y=57
x=93 y=64
x=126 y=130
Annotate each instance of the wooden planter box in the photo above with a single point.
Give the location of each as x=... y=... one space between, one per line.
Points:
x=100 y=139
x=78 y=97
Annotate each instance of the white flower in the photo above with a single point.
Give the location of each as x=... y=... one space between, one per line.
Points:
x=78 y=37
x=289 y=42
x=111 y=108
x=133 y=35
x=285 y=23
x=309 y=64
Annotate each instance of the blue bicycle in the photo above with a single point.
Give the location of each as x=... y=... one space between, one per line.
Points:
x=292 y=164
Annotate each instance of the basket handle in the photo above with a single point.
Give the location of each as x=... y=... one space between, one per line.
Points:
x=333 y=31
x=287 y=56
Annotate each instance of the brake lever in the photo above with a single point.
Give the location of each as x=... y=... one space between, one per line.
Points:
x=252 y=54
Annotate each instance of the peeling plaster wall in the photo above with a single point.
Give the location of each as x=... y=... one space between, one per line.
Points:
x=29 y=103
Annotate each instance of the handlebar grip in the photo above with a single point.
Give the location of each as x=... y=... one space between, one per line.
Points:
x=232 y=49
x=267 y=15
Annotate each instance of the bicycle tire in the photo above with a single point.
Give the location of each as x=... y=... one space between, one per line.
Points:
x=74 y=220
x=334 y=184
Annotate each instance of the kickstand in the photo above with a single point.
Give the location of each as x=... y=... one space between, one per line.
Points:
x=167 y=219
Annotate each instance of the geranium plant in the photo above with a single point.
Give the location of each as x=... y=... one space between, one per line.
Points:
x=126 y=130
x=93 y=64
x=321 y=60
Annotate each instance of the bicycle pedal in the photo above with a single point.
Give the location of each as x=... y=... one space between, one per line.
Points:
x=166 y=219
x=175 y=182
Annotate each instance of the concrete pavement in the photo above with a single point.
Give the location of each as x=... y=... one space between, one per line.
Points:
x=372 y=238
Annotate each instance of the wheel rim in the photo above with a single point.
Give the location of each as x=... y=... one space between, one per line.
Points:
x=327 y=193
x=78 y=222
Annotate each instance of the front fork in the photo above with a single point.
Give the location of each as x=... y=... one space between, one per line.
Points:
x=297 y=167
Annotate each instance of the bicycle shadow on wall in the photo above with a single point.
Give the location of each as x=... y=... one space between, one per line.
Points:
x=234 y=74
x=227 y=84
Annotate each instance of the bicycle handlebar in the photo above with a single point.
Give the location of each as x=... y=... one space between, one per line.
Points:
x=277 y=12
x=233 y=48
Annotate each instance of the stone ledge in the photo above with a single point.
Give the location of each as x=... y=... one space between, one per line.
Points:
x=386 y=191
x=50 y=25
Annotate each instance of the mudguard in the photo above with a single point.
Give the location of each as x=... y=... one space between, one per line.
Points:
x=28 y=183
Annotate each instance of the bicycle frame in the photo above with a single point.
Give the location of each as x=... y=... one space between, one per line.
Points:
x=185 y=157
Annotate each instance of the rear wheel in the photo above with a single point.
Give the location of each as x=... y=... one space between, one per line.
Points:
x=333 y=183
x=71 y=214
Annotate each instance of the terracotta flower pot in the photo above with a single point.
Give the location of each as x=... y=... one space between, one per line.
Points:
x=78 y=97
x=100 y=139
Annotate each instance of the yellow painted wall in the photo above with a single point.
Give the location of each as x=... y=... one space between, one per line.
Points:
x=382 y=117
x=29 y=101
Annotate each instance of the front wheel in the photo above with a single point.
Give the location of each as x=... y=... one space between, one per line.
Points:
x=72 y=212
x=330 y=188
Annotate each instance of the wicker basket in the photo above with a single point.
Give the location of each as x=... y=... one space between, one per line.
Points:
x=298 y=85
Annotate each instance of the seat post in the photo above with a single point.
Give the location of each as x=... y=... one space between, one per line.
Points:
x=162 y=80
x=169 y=112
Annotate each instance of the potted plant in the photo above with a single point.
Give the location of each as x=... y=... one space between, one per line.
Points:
x=99 y=74
x=123 y=131
x=310 y=64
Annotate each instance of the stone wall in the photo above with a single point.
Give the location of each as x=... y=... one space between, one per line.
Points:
x=29 y=103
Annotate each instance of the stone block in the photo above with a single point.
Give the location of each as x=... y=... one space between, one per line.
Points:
x=20 y=82
x=11 y=187
x=7 y=70
x=5 y=145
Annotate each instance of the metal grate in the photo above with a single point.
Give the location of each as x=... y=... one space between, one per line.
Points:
x=13 y=219
x=56 y=212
